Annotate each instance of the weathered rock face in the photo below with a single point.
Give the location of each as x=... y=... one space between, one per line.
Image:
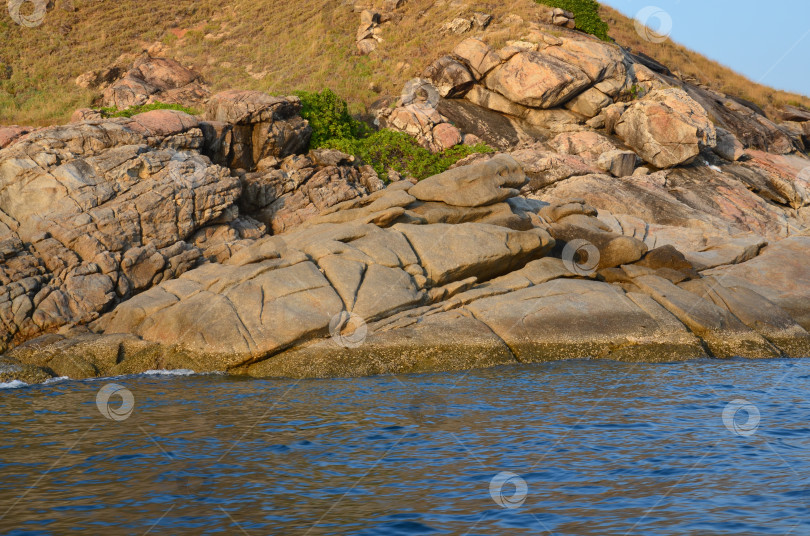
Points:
x=143 y=243
x=748 y=124
x=493 y=128
x=590 y=145
x=544 y=167
x=94 y=212
x=299 y=188
x=477 y=56
x=666 y=128
x=780 y=274
x=450 y=77
x=603 y=64
x=423 y=122
x=398 y=280
x=272 y=296
x=537 y=80
x=492 y=182
x=154 y=79
x=261 y=126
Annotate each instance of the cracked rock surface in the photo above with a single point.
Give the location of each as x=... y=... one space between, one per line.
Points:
x=658 y=224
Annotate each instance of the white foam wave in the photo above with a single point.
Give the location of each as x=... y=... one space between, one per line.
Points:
x=175 y=372
x=13 y=384
x=55 y=380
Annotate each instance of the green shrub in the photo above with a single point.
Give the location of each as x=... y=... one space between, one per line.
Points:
x=586 y=14
x=135 y=110
x=636 y=91
x=388 y=149
x=333 y=127
x=329 y=117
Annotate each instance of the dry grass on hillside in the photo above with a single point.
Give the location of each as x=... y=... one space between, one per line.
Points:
x=272 y=45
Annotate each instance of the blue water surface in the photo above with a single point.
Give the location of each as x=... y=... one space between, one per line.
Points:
x=577 y=447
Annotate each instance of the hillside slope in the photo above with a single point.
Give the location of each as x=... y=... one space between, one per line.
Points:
x=279 y=47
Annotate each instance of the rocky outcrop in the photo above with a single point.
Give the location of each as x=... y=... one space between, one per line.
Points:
x=450 y=77
x=477 y=20
x=373 y=20
x=397 y=281
x=249 y=126
x=369 y=32
x=562 y=17
x=108 y=208
x=747 y=123
x=422 y=121
x=222 y=243
x=96 y=212
x=149 y=80
x=300 y=187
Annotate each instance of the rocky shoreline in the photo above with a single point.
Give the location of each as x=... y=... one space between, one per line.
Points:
x=626 y=215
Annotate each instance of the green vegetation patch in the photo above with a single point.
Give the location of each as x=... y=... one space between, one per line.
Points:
x=334 y=128
x=388 y=149
x=329 y=117
x=135 y=110
x=586 y=14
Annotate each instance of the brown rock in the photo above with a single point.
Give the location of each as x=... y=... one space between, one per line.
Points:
x=537 y=80
x=666 y=128
x=450 y=77
x=618 y=163
x=587 y=144
x=728 y=146
x=446 y=136
x=473 y=186
x=12 y=133
x=725 y=335
x=589 y=103
x=478 y=56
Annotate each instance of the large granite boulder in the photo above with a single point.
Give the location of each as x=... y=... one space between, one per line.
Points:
x=451 y=77
x=666 y=128
x=491 y=182
x=537 y=80
x=603 y=63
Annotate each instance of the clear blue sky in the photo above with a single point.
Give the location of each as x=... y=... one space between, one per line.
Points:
x=767 y=41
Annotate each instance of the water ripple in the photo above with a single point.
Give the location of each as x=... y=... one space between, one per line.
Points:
x=599 y=447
